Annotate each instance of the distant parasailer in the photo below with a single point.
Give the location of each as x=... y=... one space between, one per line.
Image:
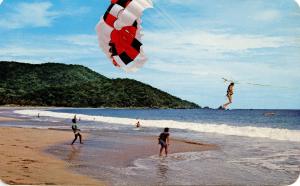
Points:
x=119 y=33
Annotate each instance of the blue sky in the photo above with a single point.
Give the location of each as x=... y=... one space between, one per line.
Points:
x=190 y=44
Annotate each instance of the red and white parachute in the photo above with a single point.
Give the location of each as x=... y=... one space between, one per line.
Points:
x=119 y=33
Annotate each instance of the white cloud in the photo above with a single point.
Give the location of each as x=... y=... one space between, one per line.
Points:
x=1 y=1
x=298 y=2
x=80 y=39
x=204 y=55
x=38 y=14
x=267 y=15
x=55 y=48
x=75 y=12
x=191 y=68
x=191 y=44
x=29 y=14
x=179 y=1
x=233 y=70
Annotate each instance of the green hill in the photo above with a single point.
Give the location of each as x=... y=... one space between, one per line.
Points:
x=53 y=84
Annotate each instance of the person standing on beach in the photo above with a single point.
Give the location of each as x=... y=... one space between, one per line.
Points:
x=76 y=130
x=164 y=141
x=229 y=95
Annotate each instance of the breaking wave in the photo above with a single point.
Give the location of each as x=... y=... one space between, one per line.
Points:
x=225 y=129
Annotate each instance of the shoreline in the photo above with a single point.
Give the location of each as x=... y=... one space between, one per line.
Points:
x=6 y=119
x=118 y=151
x=138 y=108
x=24 y=161
x=120 y=155
x=282 y=134
x=30 y=157
x=134 y=147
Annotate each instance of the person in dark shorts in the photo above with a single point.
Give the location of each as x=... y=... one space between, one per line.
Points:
x=76 y=131
x=163 y=140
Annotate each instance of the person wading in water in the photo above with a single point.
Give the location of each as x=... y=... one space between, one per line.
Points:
x=76 y=131
x=164 y=141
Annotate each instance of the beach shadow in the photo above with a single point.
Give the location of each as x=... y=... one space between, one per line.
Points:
x=74 y=152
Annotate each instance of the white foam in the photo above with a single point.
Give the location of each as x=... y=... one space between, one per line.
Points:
x=2 y=183
x=247 y=131
x=274 y=161
x=297 y=182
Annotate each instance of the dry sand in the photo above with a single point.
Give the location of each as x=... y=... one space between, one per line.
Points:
x=24 y=162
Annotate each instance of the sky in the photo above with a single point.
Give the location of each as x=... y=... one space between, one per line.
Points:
x=190 y=44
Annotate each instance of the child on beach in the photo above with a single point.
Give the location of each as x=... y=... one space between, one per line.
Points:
x=76 y=130
x=163 y=140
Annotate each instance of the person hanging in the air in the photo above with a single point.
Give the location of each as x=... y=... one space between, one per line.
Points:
x=229 y=95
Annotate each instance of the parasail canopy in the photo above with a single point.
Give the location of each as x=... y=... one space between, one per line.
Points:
x=119 y=33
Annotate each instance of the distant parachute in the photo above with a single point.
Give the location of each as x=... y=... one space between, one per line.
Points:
x=119 y=33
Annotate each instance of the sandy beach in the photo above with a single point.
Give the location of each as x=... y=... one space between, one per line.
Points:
x=24 y=162
x=44 y=156
x=37 y=150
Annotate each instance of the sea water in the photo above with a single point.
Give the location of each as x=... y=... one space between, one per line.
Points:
x=257 y=147
x=272 y=124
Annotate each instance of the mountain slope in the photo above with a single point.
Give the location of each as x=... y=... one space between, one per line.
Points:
x=53 y=84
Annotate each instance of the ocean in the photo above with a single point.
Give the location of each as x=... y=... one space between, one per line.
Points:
x=257 y=147
x=284 y=119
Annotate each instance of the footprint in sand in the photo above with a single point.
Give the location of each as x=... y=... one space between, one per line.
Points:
x=29 y=161
x=27 y=147
x=11 y=182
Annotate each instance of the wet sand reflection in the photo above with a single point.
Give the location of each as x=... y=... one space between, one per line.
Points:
x=74 y=153
x=162 y=171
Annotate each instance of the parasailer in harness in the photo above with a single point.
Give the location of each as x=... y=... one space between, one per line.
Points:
x=229 y=95
x=76 y=130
